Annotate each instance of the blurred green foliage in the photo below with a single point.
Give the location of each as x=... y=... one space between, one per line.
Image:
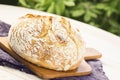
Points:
x=104 y=14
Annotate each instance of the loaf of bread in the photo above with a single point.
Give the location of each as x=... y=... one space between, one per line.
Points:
x=47 y=41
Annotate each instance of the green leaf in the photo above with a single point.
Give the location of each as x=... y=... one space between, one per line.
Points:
x=108 y=13
x=69 y=3
x=47 y=3
x=51 y=8
x=92 y=14
x=31 y=3
x=67 y=13
x=23 y=3
x=96 y=11
x=39 y=7
x=77 y=13
x=87 y=17
x=39 y=1
x=60 y=8
x=101 y=6
x=94 y=24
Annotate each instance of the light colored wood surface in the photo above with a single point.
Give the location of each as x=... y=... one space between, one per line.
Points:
x=83 y=69
x=7 y=73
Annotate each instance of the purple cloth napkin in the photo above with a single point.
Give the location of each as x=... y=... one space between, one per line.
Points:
x=7 y=60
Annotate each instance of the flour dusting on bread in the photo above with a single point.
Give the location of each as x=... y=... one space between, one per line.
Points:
x=47 y=41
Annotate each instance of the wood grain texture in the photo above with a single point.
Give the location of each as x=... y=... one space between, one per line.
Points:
x=83 y=69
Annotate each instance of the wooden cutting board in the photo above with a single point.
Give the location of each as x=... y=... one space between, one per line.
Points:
x=83 y=69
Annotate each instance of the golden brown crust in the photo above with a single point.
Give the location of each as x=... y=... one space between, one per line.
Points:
x=47 y=41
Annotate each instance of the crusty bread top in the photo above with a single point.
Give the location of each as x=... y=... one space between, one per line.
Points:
x=47 y=41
